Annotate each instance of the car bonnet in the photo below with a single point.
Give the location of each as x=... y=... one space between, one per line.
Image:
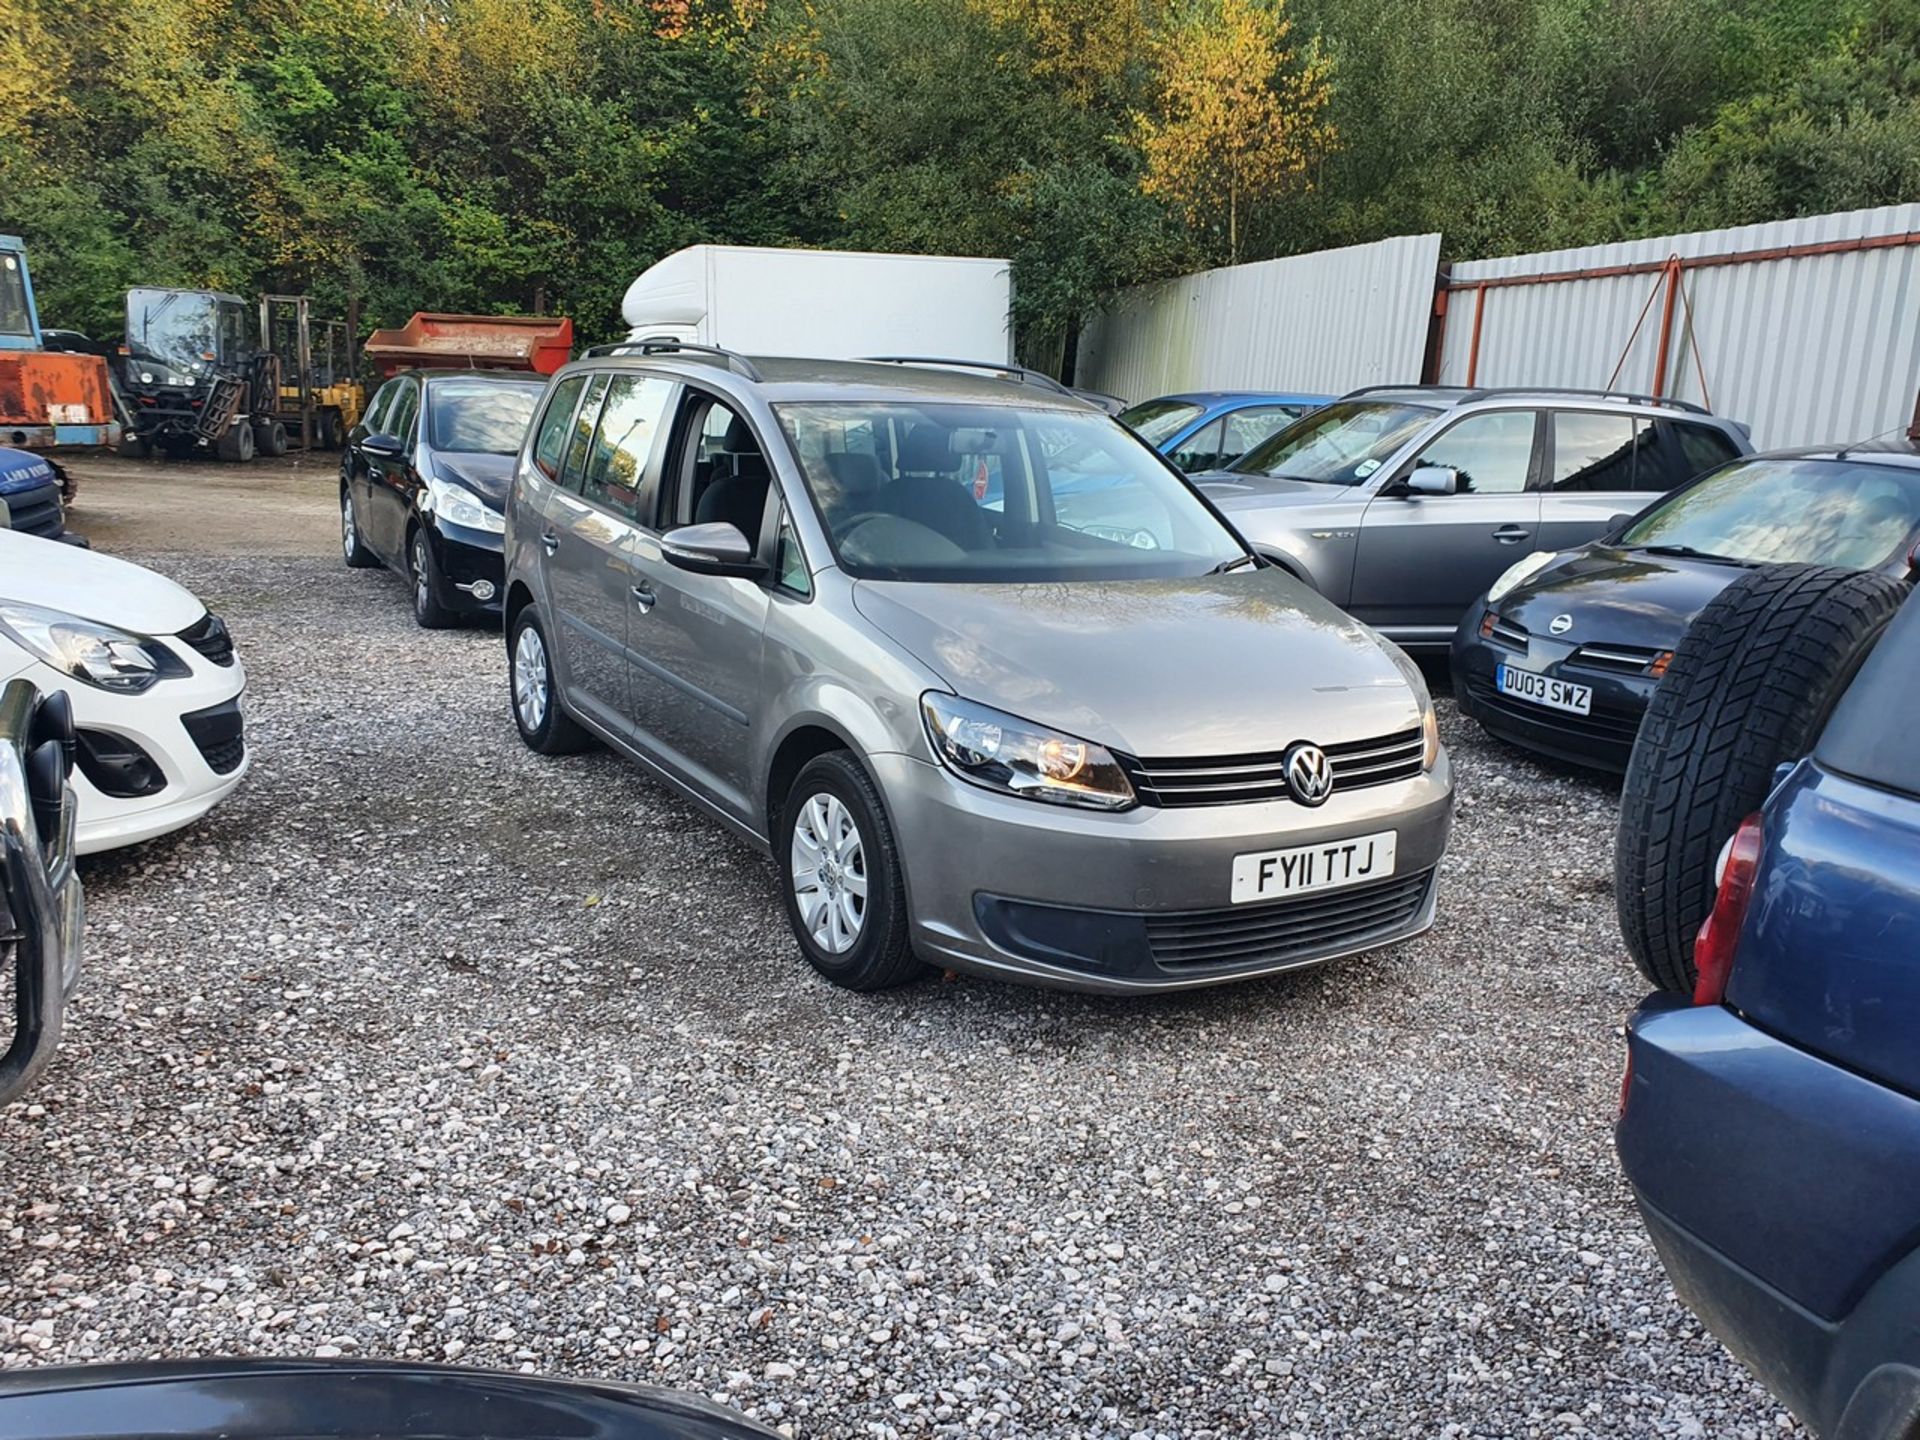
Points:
x=93 y=586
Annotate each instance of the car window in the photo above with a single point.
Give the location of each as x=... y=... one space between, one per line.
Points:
x=722 y=475
x=630 y=426
x=1492 y=452
x=406 y=409
x=1157 y=421
x=1868 y=737
x=789 y=560
x=382 y=402
x=1253 y=426
x=13 y=296
x=1201 y=450
x=1592 y=451
x=1344 y=443
x=550 y=444
x=1704 y=447
x=480 y=416
x=580 y=442
x=997 y=492
x=1803 y=511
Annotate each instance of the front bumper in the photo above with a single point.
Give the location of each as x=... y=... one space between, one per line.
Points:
x=1141 y=900
x=469 y=560
x=1602 y=740
x=187 y=728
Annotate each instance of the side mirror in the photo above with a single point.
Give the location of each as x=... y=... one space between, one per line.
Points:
x=1434 y=480
x=717 y=548
x=385 y=447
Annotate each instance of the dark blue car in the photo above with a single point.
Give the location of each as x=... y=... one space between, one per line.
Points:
x=1770 y=1121
x=1209 y=430
x=30 y=488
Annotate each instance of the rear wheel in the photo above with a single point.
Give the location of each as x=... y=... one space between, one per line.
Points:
x=352 y=547
x=236 y=445
x=1749 y=687
x=270 y=438
x=423 y=572
x=546 y=728
x=841 y=878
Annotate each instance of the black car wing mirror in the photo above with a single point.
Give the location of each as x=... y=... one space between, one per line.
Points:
x=386 y=447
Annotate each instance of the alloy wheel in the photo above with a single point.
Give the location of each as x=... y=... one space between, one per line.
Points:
x=422 y=585
x=828 y=863
x=530 y=679
x=349 y=532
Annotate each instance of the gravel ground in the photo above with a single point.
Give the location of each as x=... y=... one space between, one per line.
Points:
x=424 y=1046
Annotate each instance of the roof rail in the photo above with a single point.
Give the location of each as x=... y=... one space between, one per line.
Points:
x=736 y=362
x=1489 y=392
x=1018 y=372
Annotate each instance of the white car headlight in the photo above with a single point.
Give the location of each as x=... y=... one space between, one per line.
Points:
x=458 y=505
x=88 y=651
x=1001 y=752
x=1515 y=573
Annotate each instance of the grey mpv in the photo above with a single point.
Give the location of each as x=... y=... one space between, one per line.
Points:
x=997 y=689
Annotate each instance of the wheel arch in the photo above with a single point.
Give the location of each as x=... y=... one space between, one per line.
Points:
x=806 y=740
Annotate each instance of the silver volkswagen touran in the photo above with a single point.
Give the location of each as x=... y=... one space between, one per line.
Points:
x=993 y=684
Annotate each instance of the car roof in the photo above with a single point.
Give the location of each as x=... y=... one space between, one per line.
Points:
x=1444 y=397
x=1893 y=450
x=1210 y=398
x=779 y=378
x=472 y=372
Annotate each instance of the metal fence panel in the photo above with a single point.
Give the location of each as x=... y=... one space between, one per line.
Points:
x=1318 y=323
x=1806 y=348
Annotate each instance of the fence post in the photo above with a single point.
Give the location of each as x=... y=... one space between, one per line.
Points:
x=1473 y=351
x=1666 y=326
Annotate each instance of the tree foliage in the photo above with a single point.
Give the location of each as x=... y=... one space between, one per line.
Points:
x=393 y=155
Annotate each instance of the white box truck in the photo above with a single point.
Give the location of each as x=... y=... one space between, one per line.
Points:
x=829 y=304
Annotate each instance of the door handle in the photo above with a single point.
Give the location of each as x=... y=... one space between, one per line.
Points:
x=551 y=541
x=1511 y=534
x=643 y=597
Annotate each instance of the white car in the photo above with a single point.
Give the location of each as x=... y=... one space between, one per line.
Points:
x=153 y=677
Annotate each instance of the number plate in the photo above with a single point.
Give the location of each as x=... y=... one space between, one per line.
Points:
x=1545 y=690
x=1268 y=874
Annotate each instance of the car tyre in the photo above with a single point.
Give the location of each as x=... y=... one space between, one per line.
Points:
x=236 y=444
x=352 y=548
x=270 y=438
x=424 y=581
x=841 y=878
x=546 y=728
x=1750 y=687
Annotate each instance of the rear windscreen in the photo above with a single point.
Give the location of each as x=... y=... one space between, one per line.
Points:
x=1870 y=735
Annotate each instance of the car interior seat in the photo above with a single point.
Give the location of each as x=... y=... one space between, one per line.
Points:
x=929 y=493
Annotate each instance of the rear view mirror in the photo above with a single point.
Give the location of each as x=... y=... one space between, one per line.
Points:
x=716 y=548
x=1434 y=480
x=385 y=447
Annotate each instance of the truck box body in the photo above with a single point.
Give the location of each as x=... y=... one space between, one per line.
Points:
x=826 y=304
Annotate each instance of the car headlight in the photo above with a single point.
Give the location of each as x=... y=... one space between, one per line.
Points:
x=1001 y=752
x=458 y=505
x=88 y=651
x=1429 y=719
x=1518 y=571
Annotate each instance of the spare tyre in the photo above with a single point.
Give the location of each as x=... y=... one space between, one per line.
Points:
x=1750 y=686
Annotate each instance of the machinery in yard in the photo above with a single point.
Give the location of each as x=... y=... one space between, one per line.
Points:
x=540 y=343
x=194 y=377
x=320 y=397
x=50 y=399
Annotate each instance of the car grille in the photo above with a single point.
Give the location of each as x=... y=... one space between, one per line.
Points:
x=1615 y=659
x=36 y=512
x=216 y=731
x=209 y=635
x=1243 y=779
x=1302 y=928
x=1603 y=724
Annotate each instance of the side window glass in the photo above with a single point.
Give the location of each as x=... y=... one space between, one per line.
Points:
x=1492 y=452
x=1247 y=428
x=629 y=426
x=376 y=416
x=723 y=475
x=1703 y=448
x=406 y=408
x=1592 y=452
x=1201 y=450
x=550 y=443
x=580 y=442
x=789 y=564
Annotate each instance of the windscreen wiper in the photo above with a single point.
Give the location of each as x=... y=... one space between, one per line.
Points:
x=1687 y=552
x=1227 y=567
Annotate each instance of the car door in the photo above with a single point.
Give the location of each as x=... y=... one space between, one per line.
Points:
x=697 y=645
x=1423 y=558
x=1596 y=471
x=589 y=579
x=354 y=460
x=390 y=478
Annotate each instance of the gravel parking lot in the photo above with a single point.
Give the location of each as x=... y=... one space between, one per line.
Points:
x=424 y=1046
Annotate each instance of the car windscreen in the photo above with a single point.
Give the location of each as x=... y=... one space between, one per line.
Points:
x=991 y=493
x=1157 y=421
x=487 y=417
x=14 y=319
x=1340 y=444
x=1801 y=511
x=1867 y=737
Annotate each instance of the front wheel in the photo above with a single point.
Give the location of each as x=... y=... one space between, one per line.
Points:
x=543 y=725
x=841 y=877
x=236 y=445
x=423 y=571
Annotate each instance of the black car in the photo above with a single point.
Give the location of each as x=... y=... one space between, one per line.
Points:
x=423 y=483
x=1564 y=651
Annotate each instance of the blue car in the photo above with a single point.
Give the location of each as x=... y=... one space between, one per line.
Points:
x=30 y=489
x=1770 y=1120
x=1209 y=430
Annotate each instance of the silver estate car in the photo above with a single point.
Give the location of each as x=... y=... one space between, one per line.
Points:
x=1402 y=504
x=997 y=690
